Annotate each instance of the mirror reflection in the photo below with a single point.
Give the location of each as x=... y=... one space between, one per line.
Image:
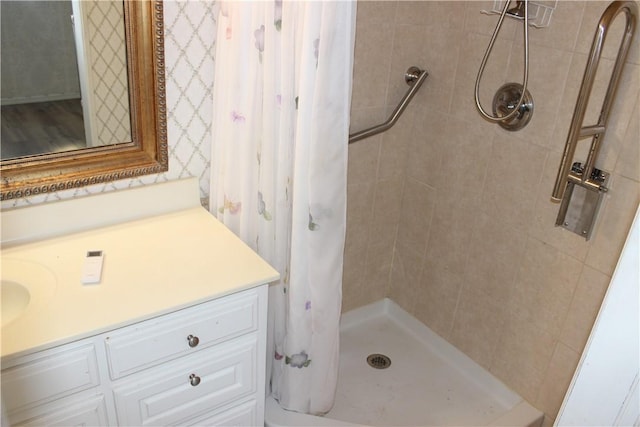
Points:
x=64 y=82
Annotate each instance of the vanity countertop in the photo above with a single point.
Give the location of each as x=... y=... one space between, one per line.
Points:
x=152 y=266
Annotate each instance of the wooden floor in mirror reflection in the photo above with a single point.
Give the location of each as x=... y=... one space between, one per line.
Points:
x=41 y=127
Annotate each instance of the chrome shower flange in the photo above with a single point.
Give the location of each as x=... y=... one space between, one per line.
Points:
x=412 y=74
x=506 y=99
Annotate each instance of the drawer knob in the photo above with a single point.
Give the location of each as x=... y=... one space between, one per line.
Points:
x=193 y=340
x=194 y=380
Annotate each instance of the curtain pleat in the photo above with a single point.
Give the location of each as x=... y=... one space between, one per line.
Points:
x=282 y=90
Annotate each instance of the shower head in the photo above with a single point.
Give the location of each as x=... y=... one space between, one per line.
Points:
x=518 y=9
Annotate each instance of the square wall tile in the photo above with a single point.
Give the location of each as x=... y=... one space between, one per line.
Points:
x=557 y=379
x=494 y=257
x=376 y=11
x=371 y=64
x=478 y=325
x=393 y=147
x=405 y=285
x=584 y=308
x=415 y=216
x=375 y=283
x=386 y=212
x=427 y=146
x=514 y=174
x=465 y=154
x=628 y=164
x=436 y=300
x=545 y=286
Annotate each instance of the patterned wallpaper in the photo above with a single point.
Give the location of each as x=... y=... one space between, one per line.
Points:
x=190 y=45
x=189 y=48
x=107 y=56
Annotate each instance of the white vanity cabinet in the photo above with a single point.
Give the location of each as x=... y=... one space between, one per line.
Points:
x=173 y=333
x=201 y=365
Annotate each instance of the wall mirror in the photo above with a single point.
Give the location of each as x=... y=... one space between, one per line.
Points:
x=105 y=119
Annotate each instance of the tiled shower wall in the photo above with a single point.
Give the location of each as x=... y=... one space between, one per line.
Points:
x=450 y=216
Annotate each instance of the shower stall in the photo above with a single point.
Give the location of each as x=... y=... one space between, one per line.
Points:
x=450 y=216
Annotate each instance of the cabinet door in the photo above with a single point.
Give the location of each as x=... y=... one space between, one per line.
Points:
x=76 y=411
x=48 y=375
x=190 y=386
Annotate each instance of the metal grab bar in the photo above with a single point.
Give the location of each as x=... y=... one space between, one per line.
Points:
x=414 y=78
x=584 y=176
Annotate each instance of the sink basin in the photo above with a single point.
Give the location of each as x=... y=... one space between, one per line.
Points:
x=15 y=299
x=25 y=287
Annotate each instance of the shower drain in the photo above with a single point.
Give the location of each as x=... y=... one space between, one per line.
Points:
x=378 y=361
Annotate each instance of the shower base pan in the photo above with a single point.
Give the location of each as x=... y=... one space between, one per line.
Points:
x=428 y=382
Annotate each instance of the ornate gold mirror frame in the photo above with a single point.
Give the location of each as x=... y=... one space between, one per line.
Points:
x=145 y=154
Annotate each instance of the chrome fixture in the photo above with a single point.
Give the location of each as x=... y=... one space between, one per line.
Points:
x=505 y=101
x=587 y=176
x=414 y=77
x=194 y=380
x=519 y=10
x=512 y=104
x=540 y=12
x=193 y=341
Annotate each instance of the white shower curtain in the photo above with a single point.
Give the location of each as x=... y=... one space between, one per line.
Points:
x=281 y=95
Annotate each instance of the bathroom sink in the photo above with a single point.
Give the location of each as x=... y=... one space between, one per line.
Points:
x=25 y=287
x=15 y=299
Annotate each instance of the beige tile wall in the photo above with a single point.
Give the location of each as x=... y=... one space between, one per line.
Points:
x=450 y=216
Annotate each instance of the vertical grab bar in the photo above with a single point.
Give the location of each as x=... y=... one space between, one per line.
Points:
x=583 y=176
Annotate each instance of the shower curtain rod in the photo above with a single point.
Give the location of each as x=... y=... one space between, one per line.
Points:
x=414 y=78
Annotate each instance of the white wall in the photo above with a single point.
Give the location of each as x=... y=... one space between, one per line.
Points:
x=604 y=390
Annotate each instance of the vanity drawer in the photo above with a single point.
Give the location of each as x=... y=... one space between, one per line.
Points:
x=49 y=375
x=183 y=389
x=243 y=415
x=155 y=341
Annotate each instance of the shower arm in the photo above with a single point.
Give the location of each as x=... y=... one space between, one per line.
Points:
x=516 y=109
x=414 y=78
